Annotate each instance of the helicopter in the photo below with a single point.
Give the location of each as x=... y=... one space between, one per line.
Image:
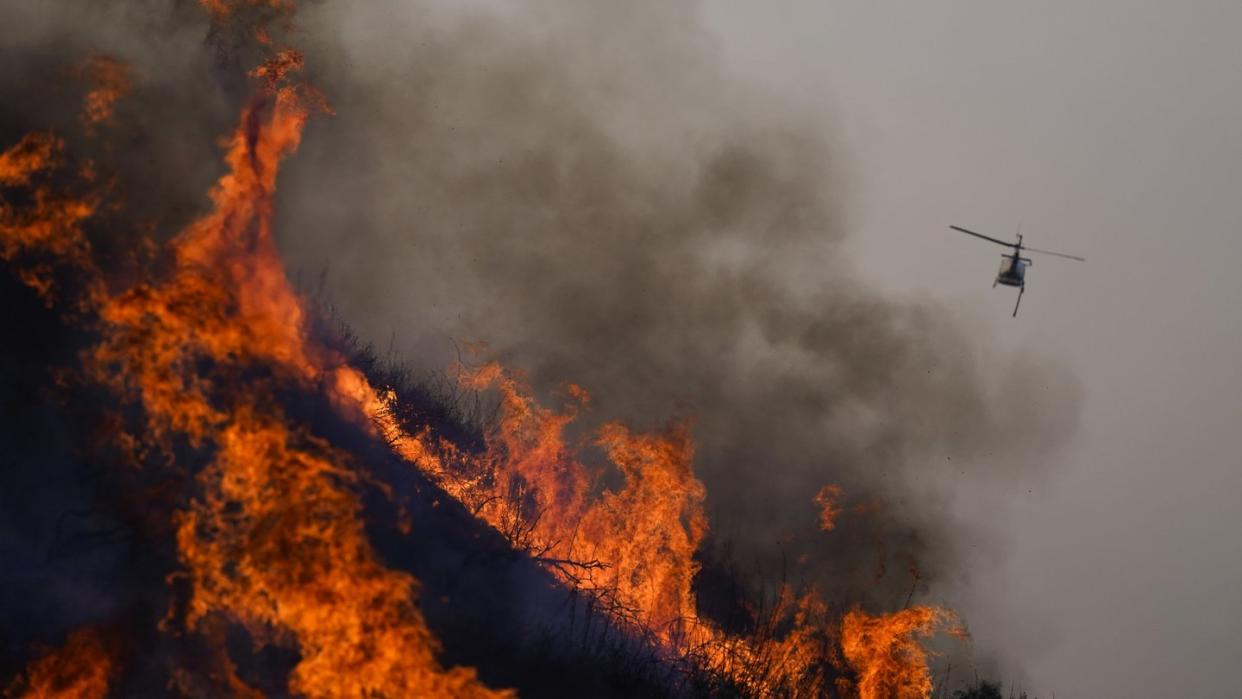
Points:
x=1013 y=265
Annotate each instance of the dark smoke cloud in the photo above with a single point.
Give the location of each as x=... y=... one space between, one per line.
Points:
x=581 y=186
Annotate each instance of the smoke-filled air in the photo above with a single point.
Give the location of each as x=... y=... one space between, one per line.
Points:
x=413 y=349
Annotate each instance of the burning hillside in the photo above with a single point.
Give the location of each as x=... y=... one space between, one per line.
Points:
x=216 y=490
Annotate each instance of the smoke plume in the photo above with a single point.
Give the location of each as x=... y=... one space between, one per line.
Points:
x=582 y=187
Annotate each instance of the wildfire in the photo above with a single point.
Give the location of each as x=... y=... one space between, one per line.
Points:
x=81 y=669
x=274 y=542
x=884 y=652
x=32 y=154
x=635 y=544
x=46 y=233
x=274 y=538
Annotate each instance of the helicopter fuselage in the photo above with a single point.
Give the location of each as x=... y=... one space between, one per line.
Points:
x=1012 y=271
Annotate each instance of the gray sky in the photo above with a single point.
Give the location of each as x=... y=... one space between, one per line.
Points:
x=1108 y=129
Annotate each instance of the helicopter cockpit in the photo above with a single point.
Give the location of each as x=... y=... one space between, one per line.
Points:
x=1012 y=271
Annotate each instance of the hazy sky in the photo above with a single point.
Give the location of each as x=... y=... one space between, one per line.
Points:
x=1108 y=129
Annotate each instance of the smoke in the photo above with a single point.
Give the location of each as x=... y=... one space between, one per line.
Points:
x=582 y=187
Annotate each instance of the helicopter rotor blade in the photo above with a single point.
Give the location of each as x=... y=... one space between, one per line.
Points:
x=1058 y=254
x=985 y=237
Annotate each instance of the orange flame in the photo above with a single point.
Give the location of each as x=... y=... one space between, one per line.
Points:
x=829 y=500
x=889 y=662
x=223 y=9
x=111 y=80
x=275 y=542
x=47 y=231
x=635 y=545
x=34 y=153
x=648 y=531
x=81 y=669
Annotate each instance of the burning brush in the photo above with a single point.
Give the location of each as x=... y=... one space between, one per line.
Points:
x=249 y=513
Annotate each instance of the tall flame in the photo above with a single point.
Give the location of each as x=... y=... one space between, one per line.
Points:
x=883 y=650
x=276 y=539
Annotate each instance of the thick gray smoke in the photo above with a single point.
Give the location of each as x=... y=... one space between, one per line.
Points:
x=579 y=185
